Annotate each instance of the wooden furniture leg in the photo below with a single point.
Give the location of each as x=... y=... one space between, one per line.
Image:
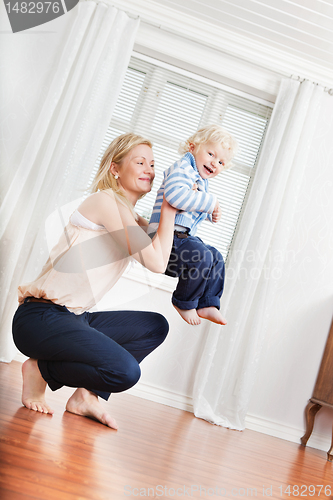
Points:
x=310 y=413
x=322 y=393
x=330 y=451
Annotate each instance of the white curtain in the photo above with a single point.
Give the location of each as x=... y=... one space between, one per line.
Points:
x=229 y=361
x=61 y=150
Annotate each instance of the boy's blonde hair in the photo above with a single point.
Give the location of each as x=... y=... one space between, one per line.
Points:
x=116 y=153
x=212 y=133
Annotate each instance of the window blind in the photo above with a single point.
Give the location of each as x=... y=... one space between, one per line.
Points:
x=167 y=107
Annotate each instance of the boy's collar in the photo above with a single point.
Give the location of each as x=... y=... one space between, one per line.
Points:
x=191 y=159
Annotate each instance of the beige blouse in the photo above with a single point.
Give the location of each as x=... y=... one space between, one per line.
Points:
x=82 y=267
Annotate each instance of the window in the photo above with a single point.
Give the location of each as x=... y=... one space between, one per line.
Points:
x=168 y=106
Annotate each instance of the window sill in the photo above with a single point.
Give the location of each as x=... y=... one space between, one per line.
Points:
x=136 y=272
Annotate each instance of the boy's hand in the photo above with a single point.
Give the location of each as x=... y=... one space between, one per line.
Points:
x=216 y=215
x=195 y=187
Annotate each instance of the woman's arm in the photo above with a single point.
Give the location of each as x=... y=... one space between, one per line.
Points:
x=106 y=210
x=143 y=223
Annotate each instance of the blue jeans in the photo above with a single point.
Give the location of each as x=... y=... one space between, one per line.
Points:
x=98 y=351
x=200 y=271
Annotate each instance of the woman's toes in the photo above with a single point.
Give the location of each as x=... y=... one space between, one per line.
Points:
x=33 y=393
x=109 y=421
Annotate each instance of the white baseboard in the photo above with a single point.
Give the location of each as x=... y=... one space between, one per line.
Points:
x=20 y=357
x=286 y=432
x=163 y=396
x=252 y=422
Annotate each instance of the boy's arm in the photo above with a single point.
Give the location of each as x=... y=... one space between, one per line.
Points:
x=178 y=191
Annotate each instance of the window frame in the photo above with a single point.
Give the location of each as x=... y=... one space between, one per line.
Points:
x=152 y=78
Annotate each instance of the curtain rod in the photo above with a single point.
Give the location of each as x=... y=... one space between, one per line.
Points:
x=301 y=80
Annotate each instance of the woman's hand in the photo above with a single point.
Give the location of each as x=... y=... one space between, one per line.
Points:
x=166 y=208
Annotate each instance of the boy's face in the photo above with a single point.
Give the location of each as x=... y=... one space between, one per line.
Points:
x=210 y=158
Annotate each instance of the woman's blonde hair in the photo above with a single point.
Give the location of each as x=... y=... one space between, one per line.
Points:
x=211 y=133
x=116 y=153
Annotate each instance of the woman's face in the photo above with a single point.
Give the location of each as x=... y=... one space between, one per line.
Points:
x=136 y=172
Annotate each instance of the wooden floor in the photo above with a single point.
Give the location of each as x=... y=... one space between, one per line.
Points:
x=158 y=452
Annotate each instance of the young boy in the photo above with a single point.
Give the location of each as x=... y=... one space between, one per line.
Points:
x=199 y=267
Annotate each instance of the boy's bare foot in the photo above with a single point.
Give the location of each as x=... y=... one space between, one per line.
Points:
x=190 y=315
x=33 y=393
x=87 y=404
x=212 y=314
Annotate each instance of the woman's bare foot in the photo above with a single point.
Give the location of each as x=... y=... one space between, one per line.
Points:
x=87 y=404
x=33 y=393
x=190 y=315
x=212 y=314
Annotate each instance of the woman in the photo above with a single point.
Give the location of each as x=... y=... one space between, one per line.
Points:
x=99 y=353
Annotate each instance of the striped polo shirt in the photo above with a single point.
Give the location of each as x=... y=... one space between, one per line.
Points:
x=177 y=187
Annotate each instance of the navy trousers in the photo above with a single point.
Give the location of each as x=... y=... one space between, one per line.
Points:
x=98 y=351
x=200 y=271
